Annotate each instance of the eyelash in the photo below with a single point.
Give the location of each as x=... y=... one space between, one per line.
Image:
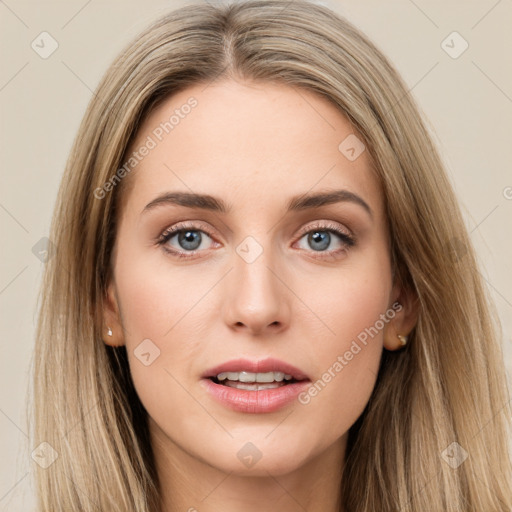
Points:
x=347 y=240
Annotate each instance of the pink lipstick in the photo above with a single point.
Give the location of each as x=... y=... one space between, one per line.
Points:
x=255 y=386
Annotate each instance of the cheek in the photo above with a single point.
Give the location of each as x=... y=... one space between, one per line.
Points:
x=348 y=364
x=354 y=313
x=156 y=298
x=165 y=325
x=166 y=314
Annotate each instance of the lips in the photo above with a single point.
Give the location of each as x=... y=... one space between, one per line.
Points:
x=262 y=366
x=252 y=391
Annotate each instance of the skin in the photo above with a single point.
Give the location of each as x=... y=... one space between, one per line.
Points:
x=254 y=146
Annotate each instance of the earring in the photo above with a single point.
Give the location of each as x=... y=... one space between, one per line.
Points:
x=109 y=332
x=403 y=339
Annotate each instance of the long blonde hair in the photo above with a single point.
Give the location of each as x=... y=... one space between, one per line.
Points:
x=447 y=386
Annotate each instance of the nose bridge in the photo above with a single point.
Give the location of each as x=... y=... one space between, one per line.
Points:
x=257 y=297
x=253 y=262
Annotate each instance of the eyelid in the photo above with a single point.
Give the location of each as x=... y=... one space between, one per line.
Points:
x=190 y=224
x=325 y=225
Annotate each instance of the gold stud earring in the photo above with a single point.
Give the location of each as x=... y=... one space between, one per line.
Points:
x=109 y=332
x=403 y=339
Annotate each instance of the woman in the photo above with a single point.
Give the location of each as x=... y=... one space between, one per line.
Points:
x=264 y=295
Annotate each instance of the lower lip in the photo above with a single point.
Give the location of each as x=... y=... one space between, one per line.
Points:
x=263 y=400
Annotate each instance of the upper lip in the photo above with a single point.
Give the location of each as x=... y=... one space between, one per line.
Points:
x=260 y=366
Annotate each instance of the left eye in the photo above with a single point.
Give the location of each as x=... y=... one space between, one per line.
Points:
x=320 y=239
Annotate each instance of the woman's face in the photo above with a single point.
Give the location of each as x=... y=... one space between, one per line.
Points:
x=257 y=272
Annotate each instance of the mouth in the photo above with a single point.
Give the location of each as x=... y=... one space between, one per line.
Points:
x=255 y=386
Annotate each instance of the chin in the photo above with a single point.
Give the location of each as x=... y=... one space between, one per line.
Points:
x=275 y=465
x=257 y=456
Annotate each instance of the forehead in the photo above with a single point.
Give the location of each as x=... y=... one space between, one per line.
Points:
x=251 y=143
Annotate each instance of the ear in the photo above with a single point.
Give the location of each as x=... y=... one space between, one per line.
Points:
x=406 y=316
x=112 y=329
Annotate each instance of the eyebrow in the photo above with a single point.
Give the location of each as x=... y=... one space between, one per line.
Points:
x=296 y=203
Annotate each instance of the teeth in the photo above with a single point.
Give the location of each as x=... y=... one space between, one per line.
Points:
x=254 y=386
x=254 y=377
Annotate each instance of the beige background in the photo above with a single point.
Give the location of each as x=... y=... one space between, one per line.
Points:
x=467 y=102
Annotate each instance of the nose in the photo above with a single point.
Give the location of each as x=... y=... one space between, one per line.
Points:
x=257 y=299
